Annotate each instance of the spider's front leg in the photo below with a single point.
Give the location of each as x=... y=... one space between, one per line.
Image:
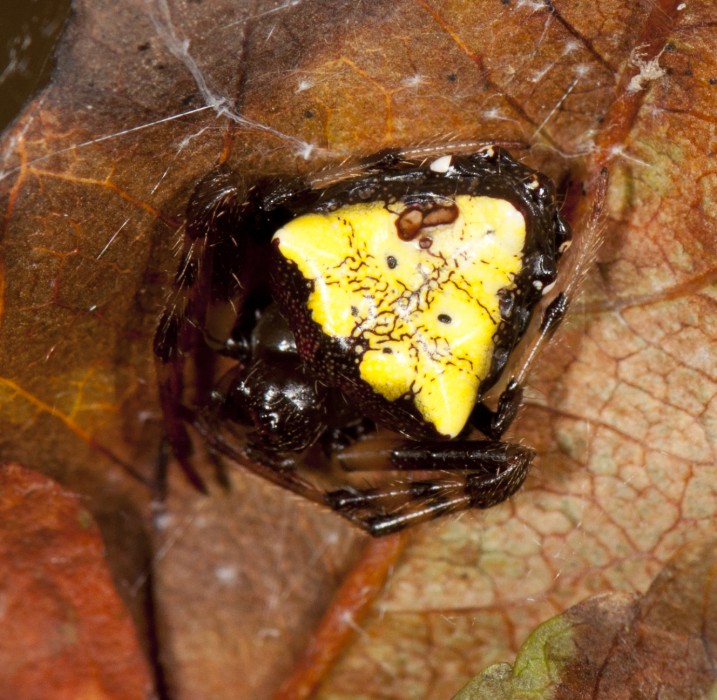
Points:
x=470 y=474
x=210 y=277
x=495 y=423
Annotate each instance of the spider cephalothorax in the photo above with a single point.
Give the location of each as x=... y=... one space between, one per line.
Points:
x=388 y=296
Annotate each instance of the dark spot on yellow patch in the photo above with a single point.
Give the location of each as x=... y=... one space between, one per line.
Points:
x=409 y=223
x=413 y=219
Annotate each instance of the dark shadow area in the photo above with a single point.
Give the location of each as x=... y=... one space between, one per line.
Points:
x=29 y=32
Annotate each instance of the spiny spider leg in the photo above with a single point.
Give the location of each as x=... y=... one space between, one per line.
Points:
x=591 y=227
x=473 y=474
x=170 y=378
x=180 y=331
x=495 y=423
x=368 y=509
x=392 y=507
x=391 y=157
x=414 y=509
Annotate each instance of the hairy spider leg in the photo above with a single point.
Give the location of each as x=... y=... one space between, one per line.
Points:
x=465 y=474
x=169 y=364
x=468 y=474
x=392 y=158
x=180 y=332
x=591 y=224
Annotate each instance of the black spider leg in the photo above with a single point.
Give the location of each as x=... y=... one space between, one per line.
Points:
x=180 y=332
x=169 y=362
x=591 y=224
x=463 y=474
x=494 y=423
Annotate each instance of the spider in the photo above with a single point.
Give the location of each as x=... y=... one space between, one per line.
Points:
x=357 y=319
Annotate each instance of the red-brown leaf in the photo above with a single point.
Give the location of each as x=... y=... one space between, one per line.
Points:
x=66 y=633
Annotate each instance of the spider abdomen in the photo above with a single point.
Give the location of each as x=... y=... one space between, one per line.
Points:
x=411 y=303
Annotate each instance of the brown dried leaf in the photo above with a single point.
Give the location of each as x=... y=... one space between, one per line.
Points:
x=66 y=634
x=95 y=177
x=618 y=646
